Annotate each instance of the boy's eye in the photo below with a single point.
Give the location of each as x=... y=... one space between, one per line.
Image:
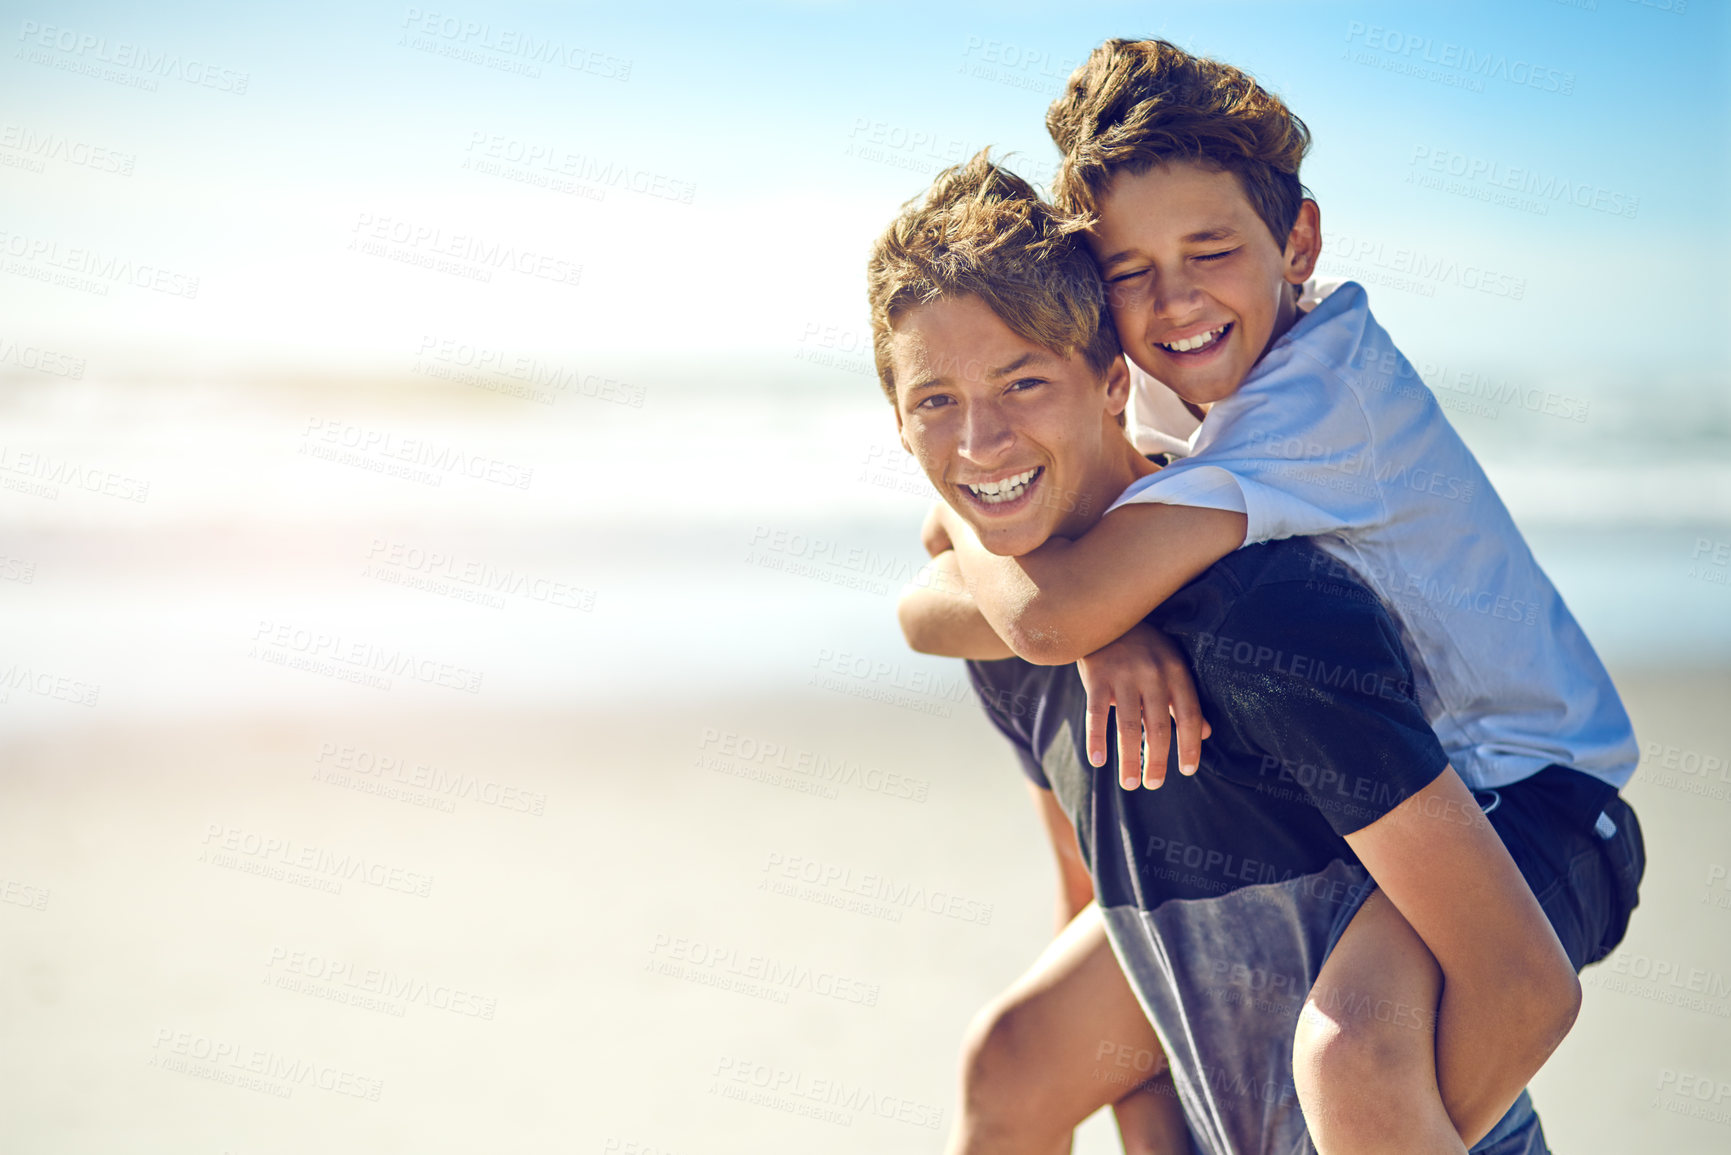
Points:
x=1023 y=384
x=1216 y=256
x=1122 y=277
x=933 y=401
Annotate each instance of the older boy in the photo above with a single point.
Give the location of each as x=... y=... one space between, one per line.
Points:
x=1184 y=173
x=989 y=341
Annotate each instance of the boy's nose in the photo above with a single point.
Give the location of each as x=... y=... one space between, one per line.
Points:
x=1173 y=295
x=985 y=434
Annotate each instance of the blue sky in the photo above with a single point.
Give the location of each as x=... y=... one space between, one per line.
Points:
x=1558 y=205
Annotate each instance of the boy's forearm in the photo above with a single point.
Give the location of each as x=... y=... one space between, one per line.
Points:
x=939 y=617
x=1067 y=599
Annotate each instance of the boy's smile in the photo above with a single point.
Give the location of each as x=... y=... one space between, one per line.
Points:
x=1020 y=441
x=1197 y=285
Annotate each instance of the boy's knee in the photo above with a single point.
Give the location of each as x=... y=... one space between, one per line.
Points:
x=1344 y=1052
x=997 y=1049
x=1002 y=1064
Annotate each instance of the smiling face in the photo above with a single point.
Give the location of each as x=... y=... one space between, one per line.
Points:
x=1021 y=442
x=1198 y=287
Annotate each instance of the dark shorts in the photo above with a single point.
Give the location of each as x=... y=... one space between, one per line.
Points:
x=1578 y=845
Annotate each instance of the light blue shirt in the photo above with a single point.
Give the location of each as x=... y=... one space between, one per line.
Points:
x=1334 y=436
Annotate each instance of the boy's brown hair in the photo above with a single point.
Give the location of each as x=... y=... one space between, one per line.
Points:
x=983 y=231
x=1134 y=104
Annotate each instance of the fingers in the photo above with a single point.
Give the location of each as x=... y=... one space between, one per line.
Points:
x=1130 y=752
x=1098 y=725
x=1159 y=727
x=1187 y=713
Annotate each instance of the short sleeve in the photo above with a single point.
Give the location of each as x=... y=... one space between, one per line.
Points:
x=1316 y=681
x=1291 y=450
x=1006 y=688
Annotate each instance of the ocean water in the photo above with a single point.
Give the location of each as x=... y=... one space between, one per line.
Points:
x=175 y=549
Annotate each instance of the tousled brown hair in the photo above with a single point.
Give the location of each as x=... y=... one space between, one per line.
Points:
x=982 y=231
x=1134 y=104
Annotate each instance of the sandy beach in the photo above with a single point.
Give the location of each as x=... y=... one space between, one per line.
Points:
x=476 y=930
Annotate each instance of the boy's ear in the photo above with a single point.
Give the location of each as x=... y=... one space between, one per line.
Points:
x=1117 y=385
x=1304 y=243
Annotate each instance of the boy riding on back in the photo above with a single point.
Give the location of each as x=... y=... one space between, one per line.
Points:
x=1291 y=413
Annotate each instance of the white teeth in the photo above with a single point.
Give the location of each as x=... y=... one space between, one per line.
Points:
x=1190 y=344
x=998 y=492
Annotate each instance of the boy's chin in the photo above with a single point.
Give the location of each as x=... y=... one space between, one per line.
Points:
x=1007 y=542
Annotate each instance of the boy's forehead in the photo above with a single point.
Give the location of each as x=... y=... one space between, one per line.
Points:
x=1177 y=198
x=956 y=337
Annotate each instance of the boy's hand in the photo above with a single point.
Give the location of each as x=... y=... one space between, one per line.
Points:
x=935 y=534
x=1145 y=677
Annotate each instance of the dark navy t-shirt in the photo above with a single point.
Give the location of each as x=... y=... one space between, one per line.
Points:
x=1223 y=892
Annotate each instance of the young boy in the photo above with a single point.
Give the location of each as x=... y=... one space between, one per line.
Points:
x=1185 y=173
x=989 y=340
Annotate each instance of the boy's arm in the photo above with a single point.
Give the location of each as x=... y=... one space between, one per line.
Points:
x=1143 y=675
x=1067 y=599
x=1509 y=991
x=938 y=617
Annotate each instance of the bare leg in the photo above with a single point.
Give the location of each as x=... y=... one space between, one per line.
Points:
x=1065 y=1040
x=1364 y=1056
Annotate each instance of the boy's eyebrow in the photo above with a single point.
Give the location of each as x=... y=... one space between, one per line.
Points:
x=1019 y=363
x=1200 y=237
x=1217 y=233
x=992 y=374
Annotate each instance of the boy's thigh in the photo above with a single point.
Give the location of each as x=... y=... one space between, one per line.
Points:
x=1070 y=1030
x=1578 y=844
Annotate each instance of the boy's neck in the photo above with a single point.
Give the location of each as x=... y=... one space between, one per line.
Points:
x=1122 y=466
